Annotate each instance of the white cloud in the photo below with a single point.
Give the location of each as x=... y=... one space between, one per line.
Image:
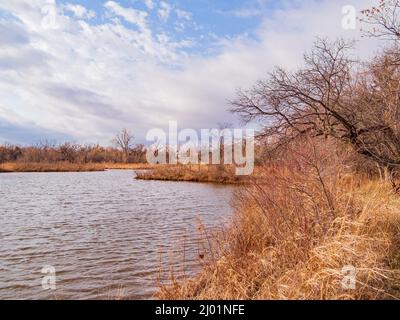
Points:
x=149 y=4
x=164 y=11
x=247 y=12
x=79 y=11
x=89 y=80
x=131 y=15
x=182 y=14
x=36 y=14
x=254 y=8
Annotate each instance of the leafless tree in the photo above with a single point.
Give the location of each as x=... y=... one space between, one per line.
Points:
x=384 y=20
x=138 y=154
x=326 y=98
x=124 y=140
x=69 y=152
x=311 y=100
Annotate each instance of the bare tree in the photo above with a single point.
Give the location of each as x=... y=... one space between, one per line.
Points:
x=312 y=99
x=384 y=20
x=124 y=140
x=69 y=151
x=326 y=98
x=138 y=154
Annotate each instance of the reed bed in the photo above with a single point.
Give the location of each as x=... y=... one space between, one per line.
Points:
x=193 y=173
x=295 y=231
x=51 y=167
x=71 y=167
x=130 y=166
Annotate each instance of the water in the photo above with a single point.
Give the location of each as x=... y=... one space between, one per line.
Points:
x=105 y=233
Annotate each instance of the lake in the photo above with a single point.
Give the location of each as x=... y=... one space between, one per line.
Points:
x=105 y=234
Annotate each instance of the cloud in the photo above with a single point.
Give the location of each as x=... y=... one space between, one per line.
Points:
x=247 y=12
x=28 y=134
x=12 y=35
x=182 y=14
x=131 y=15
x=79 y=11
x=21 y=59
x=255 y=8
x=149 y=4
x=164 y=11
x=86 y=80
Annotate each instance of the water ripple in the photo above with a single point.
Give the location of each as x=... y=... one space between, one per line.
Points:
x=105 y=233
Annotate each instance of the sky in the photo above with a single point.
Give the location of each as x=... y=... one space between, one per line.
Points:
x=80 y=71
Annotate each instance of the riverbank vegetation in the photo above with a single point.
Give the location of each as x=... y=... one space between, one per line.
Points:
x=322 y=219
x=50 y=167
x=46 y=152
x=51 y=157
x=64 y=166
x=222 y=174
x=297 y=228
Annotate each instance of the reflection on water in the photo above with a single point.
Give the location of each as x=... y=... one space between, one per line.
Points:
x=103 y=232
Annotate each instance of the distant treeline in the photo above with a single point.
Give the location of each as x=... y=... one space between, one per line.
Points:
x=71 y=152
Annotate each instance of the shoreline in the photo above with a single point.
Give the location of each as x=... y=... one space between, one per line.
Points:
x=32 y=167
x=223 y=175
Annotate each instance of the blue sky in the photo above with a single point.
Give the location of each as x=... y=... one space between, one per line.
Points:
x=211 y=16
x=204 y=20
x=82 y=70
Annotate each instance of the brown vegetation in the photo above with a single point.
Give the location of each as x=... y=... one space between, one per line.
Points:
x=50 y=157
x=295 y=228
x=47 y=153
x=130 y=166
x=71 y=167
x=193 y=173
x=326 y=98
x=50 y=167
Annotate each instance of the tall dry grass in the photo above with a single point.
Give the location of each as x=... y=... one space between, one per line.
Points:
x=129 y=166
x=193 y=173
x=51 y=167
x=296 y=227
x=65 y=166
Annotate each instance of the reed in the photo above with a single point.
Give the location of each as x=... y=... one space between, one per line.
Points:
x=294 y=230
x=129 y=166
x=62 y=166
x=193 y=173
x=52 y=167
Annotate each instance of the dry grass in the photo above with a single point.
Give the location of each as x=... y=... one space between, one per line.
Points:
x=129 y=166
x=294 y=231
x=4 y=168
x=51 y=167
x=194 y=173
x=70 y=167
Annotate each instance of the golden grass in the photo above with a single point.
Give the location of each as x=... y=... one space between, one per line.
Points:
x=193 y=173
x=70 y=167
x=293 y=233
x=51 y=167
x=130 y=166
x=5 y=168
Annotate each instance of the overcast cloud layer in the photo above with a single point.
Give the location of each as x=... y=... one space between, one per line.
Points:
x=70 y=71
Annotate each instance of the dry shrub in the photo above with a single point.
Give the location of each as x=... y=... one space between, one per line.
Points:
x=296 y=227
